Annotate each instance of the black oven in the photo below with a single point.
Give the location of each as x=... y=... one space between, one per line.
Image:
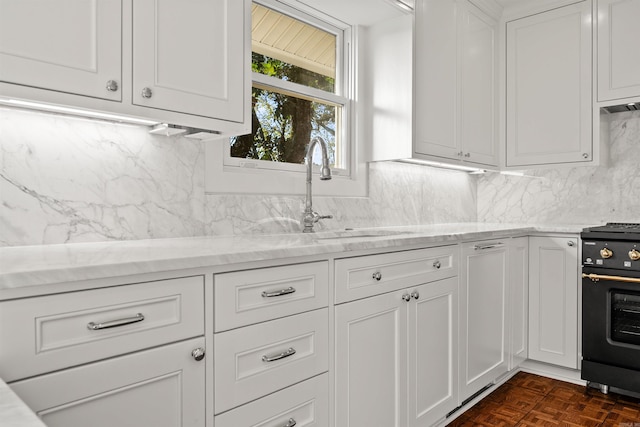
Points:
x=611 y=306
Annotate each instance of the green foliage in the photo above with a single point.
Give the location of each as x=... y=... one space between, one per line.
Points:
x=282 y=124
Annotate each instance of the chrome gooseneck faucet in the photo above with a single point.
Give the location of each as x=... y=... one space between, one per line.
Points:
x=310 y=217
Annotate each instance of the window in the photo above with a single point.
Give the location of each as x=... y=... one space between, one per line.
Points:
x=298 y=92
x=305 y=84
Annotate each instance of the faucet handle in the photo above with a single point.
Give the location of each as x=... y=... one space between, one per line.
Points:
x=310 y=218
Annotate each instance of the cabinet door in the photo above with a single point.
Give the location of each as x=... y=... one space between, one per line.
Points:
x=477 y=89
x=371 y=364
x=618 y=51
x=163 y=387
x=433 y=356
x=72 y=46
x=553 y=300
x=549 y=99
x=482 y=316
x=189 y=56
x=518 y=307
x=256 y=360
x=305 y=404
x=436 y=77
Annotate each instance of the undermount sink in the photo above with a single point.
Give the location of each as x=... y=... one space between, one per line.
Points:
x=351 y=234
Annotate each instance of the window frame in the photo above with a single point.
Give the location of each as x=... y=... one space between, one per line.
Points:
x=339 y=98
x=226 y=174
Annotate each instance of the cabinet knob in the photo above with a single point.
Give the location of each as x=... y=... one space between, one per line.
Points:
x=377 y=276
x=570 y=243
x=467 y=154
x=198 y=354
x=147 y=92
x=585 y=155
x=437 y=265
x=112 y=86
x=290 y=423
x=406 y=297
x=415 y=295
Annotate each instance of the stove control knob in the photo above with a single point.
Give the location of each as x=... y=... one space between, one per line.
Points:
x=606 y=253
x=634 y=254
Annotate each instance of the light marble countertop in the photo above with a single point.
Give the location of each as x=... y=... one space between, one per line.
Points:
x=28 y=266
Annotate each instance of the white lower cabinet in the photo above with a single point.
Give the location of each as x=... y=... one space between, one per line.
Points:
x=396 y=357
x=161 y=387
x=256 y=360
x=518 y=307
x=303 y=405
x=483 y=328
x=553 y=300
x=127 y=355
x=271 y=347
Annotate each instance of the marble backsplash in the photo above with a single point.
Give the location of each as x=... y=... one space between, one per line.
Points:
x=65 y=179
x=580 y=195
x=399 y=194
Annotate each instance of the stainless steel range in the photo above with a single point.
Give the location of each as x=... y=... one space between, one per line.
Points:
x=611 y=306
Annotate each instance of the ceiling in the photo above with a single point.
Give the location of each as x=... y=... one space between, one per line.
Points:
x=279 y=36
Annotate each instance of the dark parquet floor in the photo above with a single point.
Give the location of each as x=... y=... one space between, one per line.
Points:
x=531 y=400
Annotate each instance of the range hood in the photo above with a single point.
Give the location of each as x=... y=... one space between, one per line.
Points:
x=622 y=108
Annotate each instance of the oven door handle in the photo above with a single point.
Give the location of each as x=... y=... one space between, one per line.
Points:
x=597 y=277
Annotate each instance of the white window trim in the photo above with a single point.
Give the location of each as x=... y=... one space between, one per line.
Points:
x=225 y=174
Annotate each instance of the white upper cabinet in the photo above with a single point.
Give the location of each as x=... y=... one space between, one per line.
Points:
x=435 y=78
x=72 y=46
x=618 y=51
x=171 y=71
x=478 y=84
x=166 y=61
x=455 y=83
x=549 y=102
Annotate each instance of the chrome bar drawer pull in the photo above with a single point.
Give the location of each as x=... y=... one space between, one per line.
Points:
x=290 y=423
x=289 y=352
x=489 y=246
x=278 y=293
x=115 y=323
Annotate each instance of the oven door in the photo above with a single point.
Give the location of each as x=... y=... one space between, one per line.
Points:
x=611 y=317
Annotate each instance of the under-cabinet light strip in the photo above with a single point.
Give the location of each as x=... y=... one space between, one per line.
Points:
x=442 y=165
x=76 y=112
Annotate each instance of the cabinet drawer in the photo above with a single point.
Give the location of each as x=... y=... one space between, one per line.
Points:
x=305 y=404
x=161 y=387
x=253 y=296
x=260 y=359
x=48 y=333
x=361 y=277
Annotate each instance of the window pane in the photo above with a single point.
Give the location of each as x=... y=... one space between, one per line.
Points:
x=281 y=70
x=284 y=124
x=289 y=49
